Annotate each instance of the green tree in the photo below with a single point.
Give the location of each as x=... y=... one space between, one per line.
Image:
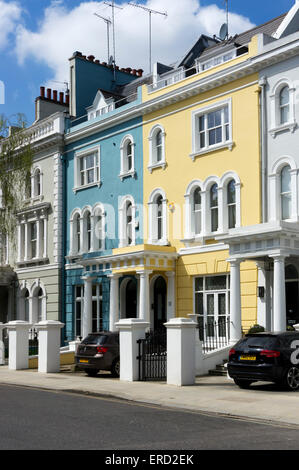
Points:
x=16 y=157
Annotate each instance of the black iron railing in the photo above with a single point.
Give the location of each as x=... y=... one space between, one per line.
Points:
x=214 y=335
x=152 y=356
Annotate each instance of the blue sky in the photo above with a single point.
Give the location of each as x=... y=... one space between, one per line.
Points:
x=40 y=53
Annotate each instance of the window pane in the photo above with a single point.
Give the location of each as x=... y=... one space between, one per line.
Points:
x=199 y=304
x=202 y=123
x=214 y=221
x=231 y=192
x=214 y=196
x=216 y=283
x=286 y=201
x=285 y=179
x=232 y=216
x=198 y=284
x=284 y=96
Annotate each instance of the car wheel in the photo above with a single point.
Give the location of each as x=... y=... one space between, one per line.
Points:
x=115 y=368
x=243 y=383
x=292 y=378
x=91 y=372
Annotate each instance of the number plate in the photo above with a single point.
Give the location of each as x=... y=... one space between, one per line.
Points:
x=247 y=358
x=85 y=361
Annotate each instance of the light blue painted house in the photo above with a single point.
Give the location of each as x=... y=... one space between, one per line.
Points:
x=103 y=167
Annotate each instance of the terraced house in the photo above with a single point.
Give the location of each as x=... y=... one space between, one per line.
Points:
x=103 y=197
x=30 y=271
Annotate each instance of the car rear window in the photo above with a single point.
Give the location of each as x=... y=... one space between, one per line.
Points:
x=266 y=342
x=95 y=339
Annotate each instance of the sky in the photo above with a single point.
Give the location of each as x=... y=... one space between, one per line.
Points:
x=37 y=37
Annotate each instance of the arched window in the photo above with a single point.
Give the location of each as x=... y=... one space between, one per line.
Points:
x=40 y=296
x=214 y=207
x=37 y=183
x=231 y=204
x=127 y=157
x=196 y=212
x=284 y=105
x=157 y=148
x=99 y=229
x=87 y=231
x=76 y=234
x=157 y=218
x=285 y=193
x=129 y=223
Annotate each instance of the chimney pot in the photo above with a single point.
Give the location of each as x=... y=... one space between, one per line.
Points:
x=67 y=99
x=61 y=97
x=97 y=61
x=42 y=91
x=49 y=93
x=91 y=58
x=139 y=72
x=55 y=95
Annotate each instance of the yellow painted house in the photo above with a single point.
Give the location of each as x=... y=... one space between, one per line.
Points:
x=202 y=178
x=202 y=184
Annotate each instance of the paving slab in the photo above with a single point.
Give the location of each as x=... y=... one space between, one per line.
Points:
x=263 y=402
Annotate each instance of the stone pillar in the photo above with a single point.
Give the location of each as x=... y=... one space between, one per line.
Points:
x=49 y=346
x=235 y=301
x=279 y=294
x=171 y=307
x=130 y=331
x=2 y=347
x=144 y=303
x=18 y=344
x=114 y=301
x=87 y=307
x=181 y=351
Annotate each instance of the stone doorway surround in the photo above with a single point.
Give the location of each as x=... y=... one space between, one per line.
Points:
x=142 y=262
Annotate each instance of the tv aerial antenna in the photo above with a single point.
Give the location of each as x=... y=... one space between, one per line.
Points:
x=108 y=23
x=113 y=6
x=67 y=91
x=223 y=33
x=150 y=12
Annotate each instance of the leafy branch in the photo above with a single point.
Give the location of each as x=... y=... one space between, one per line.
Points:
x=16 y=157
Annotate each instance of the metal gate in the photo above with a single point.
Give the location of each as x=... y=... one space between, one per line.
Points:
x=152 y=356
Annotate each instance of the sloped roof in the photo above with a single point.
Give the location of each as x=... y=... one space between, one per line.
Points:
x=244 y=38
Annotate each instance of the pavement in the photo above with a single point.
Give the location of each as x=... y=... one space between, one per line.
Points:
x=263 y=402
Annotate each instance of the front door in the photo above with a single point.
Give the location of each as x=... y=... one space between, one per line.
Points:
x=160 y=291
x=131 y=299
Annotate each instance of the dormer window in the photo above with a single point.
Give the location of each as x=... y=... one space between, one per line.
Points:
x=218 y=60
x=103 y=104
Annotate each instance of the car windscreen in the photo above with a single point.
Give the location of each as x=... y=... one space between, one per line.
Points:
x=95 y=339
x=265 y=342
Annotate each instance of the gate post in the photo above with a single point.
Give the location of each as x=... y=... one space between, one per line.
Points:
x=2 y=347
x=130 y=331
x=180 y=351
x=18 y=332
x=49 y=345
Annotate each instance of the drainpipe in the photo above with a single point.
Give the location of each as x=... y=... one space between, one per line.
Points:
x=264 y=148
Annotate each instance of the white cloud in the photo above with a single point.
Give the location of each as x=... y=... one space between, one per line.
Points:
x=10 y=14
x=63 y=31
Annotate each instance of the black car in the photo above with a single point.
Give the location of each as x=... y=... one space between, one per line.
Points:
x=269 y=357
x=99 y=351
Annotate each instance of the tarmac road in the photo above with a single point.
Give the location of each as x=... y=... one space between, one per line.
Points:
x=35 y=419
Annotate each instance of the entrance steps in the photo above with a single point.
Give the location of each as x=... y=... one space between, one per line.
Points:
x=220 y=370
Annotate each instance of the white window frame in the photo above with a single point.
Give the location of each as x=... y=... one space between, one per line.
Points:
x=40 y=217
x=124 y=171
x=275 y=189
x=153 y=162
x=97 y=168
x=153 y=221
x=97 y=300
x=275 y=108
x=197 y=114
x=98 y=244
x=123 y=234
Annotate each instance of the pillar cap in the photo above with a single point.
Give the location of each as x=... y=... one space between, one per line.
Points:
x=130 y=323
x=180 y=322
x=49 y=324
x=18 y=324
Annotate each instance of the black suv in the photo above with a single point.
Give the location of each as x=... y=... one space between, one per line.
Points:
x=269 y=357
x=99 y=351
